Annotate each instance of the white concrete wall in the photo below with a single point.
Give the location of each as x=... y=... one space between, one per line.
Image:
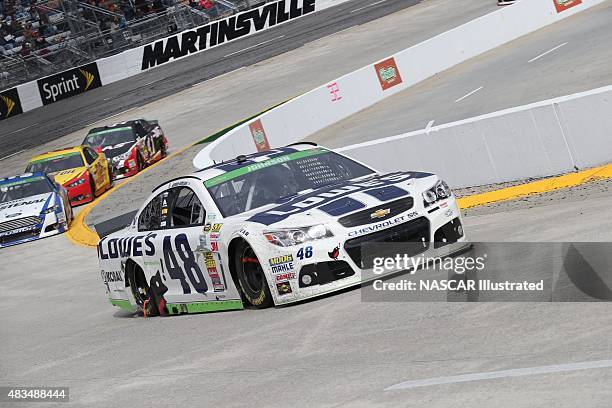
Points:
x=315 y=110
x=540 y=139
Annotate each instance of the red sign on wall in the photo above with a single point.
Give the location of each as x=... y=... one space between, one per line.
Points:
x=562 y=5
x=259 y=136
x=388 y=73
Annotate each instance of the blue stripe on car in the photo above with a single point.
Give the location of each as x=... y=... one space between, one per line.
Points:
x=387 y=193
x=342 y=206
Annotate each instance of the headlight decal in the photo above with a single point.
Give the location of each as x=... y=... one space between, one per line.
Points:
x=440 y=191
x=295 y=236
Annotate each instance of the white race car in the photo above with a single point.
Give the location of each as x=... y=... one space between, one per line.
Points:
x=32 y=206
x=267 y=229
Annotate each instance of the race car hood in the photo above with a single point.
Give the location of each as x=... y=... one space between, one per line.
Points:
x=25 y=207
x=65 y=176
x=338 y=200
x=115 y=150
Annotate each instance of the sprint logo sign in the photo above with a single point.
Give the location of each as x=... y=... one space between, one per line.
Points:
x=10 y=105
x=69 y=83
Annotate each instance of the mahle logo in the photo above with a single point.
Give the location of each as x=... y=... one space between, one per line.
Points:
x=388 y=73
x=10 y=105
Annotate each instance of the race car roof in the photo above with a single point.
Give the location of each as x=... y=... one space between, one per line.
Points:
x=243 y=161
x=23 y=176
x=59 y=152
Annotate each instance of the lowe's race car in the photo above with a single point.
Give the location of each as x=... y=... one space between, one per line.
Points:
x=267 y=229
x=32 y=206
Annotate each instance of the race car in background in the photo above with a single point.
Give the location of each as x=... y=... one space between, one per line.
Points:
x=129 y=146
x=84 y=172
x=270 y=228
x=32 y=206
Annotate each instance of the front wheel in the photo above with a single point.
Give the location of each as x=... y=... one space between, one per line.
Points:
x=251 y=277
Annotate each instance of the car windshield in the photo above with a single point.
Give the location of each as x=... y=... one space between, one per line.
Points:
x=102 y=137
x=56 y=163
x=23 y=188
x=280 y=178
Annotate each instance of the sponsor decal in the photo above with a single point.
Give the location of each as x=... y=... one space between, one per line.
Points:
x=373 y=228
x=316 y=199
x=211 y=267
x=562 y=5
x=334 y=90
x=214 y=246
x=10 y=104
x=284 y=288
x=335 y=253
x=221 y=31
x=214 y=236
x=244 y=232
x=259 y=136
x=382 y=213
x=13 y=204
x=69 y=83
x=114 y=248
x=280 y=264
x=285 y=276
x=388 y=73
x=216 y=227
x=18 y=230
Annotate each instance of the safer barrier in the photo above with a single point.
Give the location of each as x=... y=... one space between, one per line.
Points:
x=541 y=139
x=54 y=88
x=334 y=101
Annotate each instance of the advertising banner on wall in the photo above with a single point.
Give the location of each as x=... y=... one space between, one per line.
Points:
x=10 y=105
x=69 y=83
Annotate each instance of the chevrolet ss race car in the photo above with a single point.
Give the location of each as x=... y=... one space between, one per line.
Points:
x=269 y=228
x=84 y=172
x=129 y=146
x=32 y=206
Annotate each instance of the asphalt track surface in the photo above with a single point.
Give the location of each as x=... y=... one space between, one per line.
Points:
x=570 y=56
x=58 y=330
x=50 y=122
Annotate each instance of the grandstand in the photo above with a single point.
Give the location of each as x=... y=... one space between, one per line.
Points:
x=41 y=37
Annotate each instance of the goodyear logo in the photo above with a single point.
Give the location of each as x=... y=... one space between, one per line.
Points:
x=10 y=104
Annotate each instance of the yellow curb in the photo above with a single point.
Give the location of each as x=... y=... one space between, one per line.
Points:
x=536 y=187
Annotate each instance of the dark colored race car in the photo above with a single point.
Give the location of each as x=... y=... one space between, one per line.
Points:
x=129 y=146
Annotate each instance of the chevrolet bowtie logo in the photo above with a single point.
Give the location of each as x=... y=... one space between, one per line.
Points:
x=88 y=77
x=380 y=213
x=10 y=105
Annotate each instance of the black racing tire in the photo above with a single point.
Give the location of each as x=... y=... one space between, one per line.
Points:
x=111 y=180
x=138 y=285
x=92 y=186
x=139 y=162
x=251 y=277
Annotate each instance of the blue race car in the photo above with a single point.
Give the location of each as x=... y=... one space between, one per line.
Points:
x=32 y=206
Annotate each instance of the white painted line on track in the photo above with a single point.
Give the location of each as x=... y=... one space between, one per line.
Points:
x=332 y=34
x=12 y=154
x=23 y=128
x=218 y=76
x=469 y=94
x=519 y=372
x=369 y=5
x=253 y=46
x=429 y=125
x=547 y=52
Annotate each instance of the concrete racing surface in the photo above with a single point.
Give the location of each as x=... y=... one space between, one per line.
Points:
x=58 y=330
x=526 y=70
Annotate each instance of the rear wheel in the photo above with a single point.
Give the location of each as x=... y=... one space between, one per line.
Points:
x=251 y=277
